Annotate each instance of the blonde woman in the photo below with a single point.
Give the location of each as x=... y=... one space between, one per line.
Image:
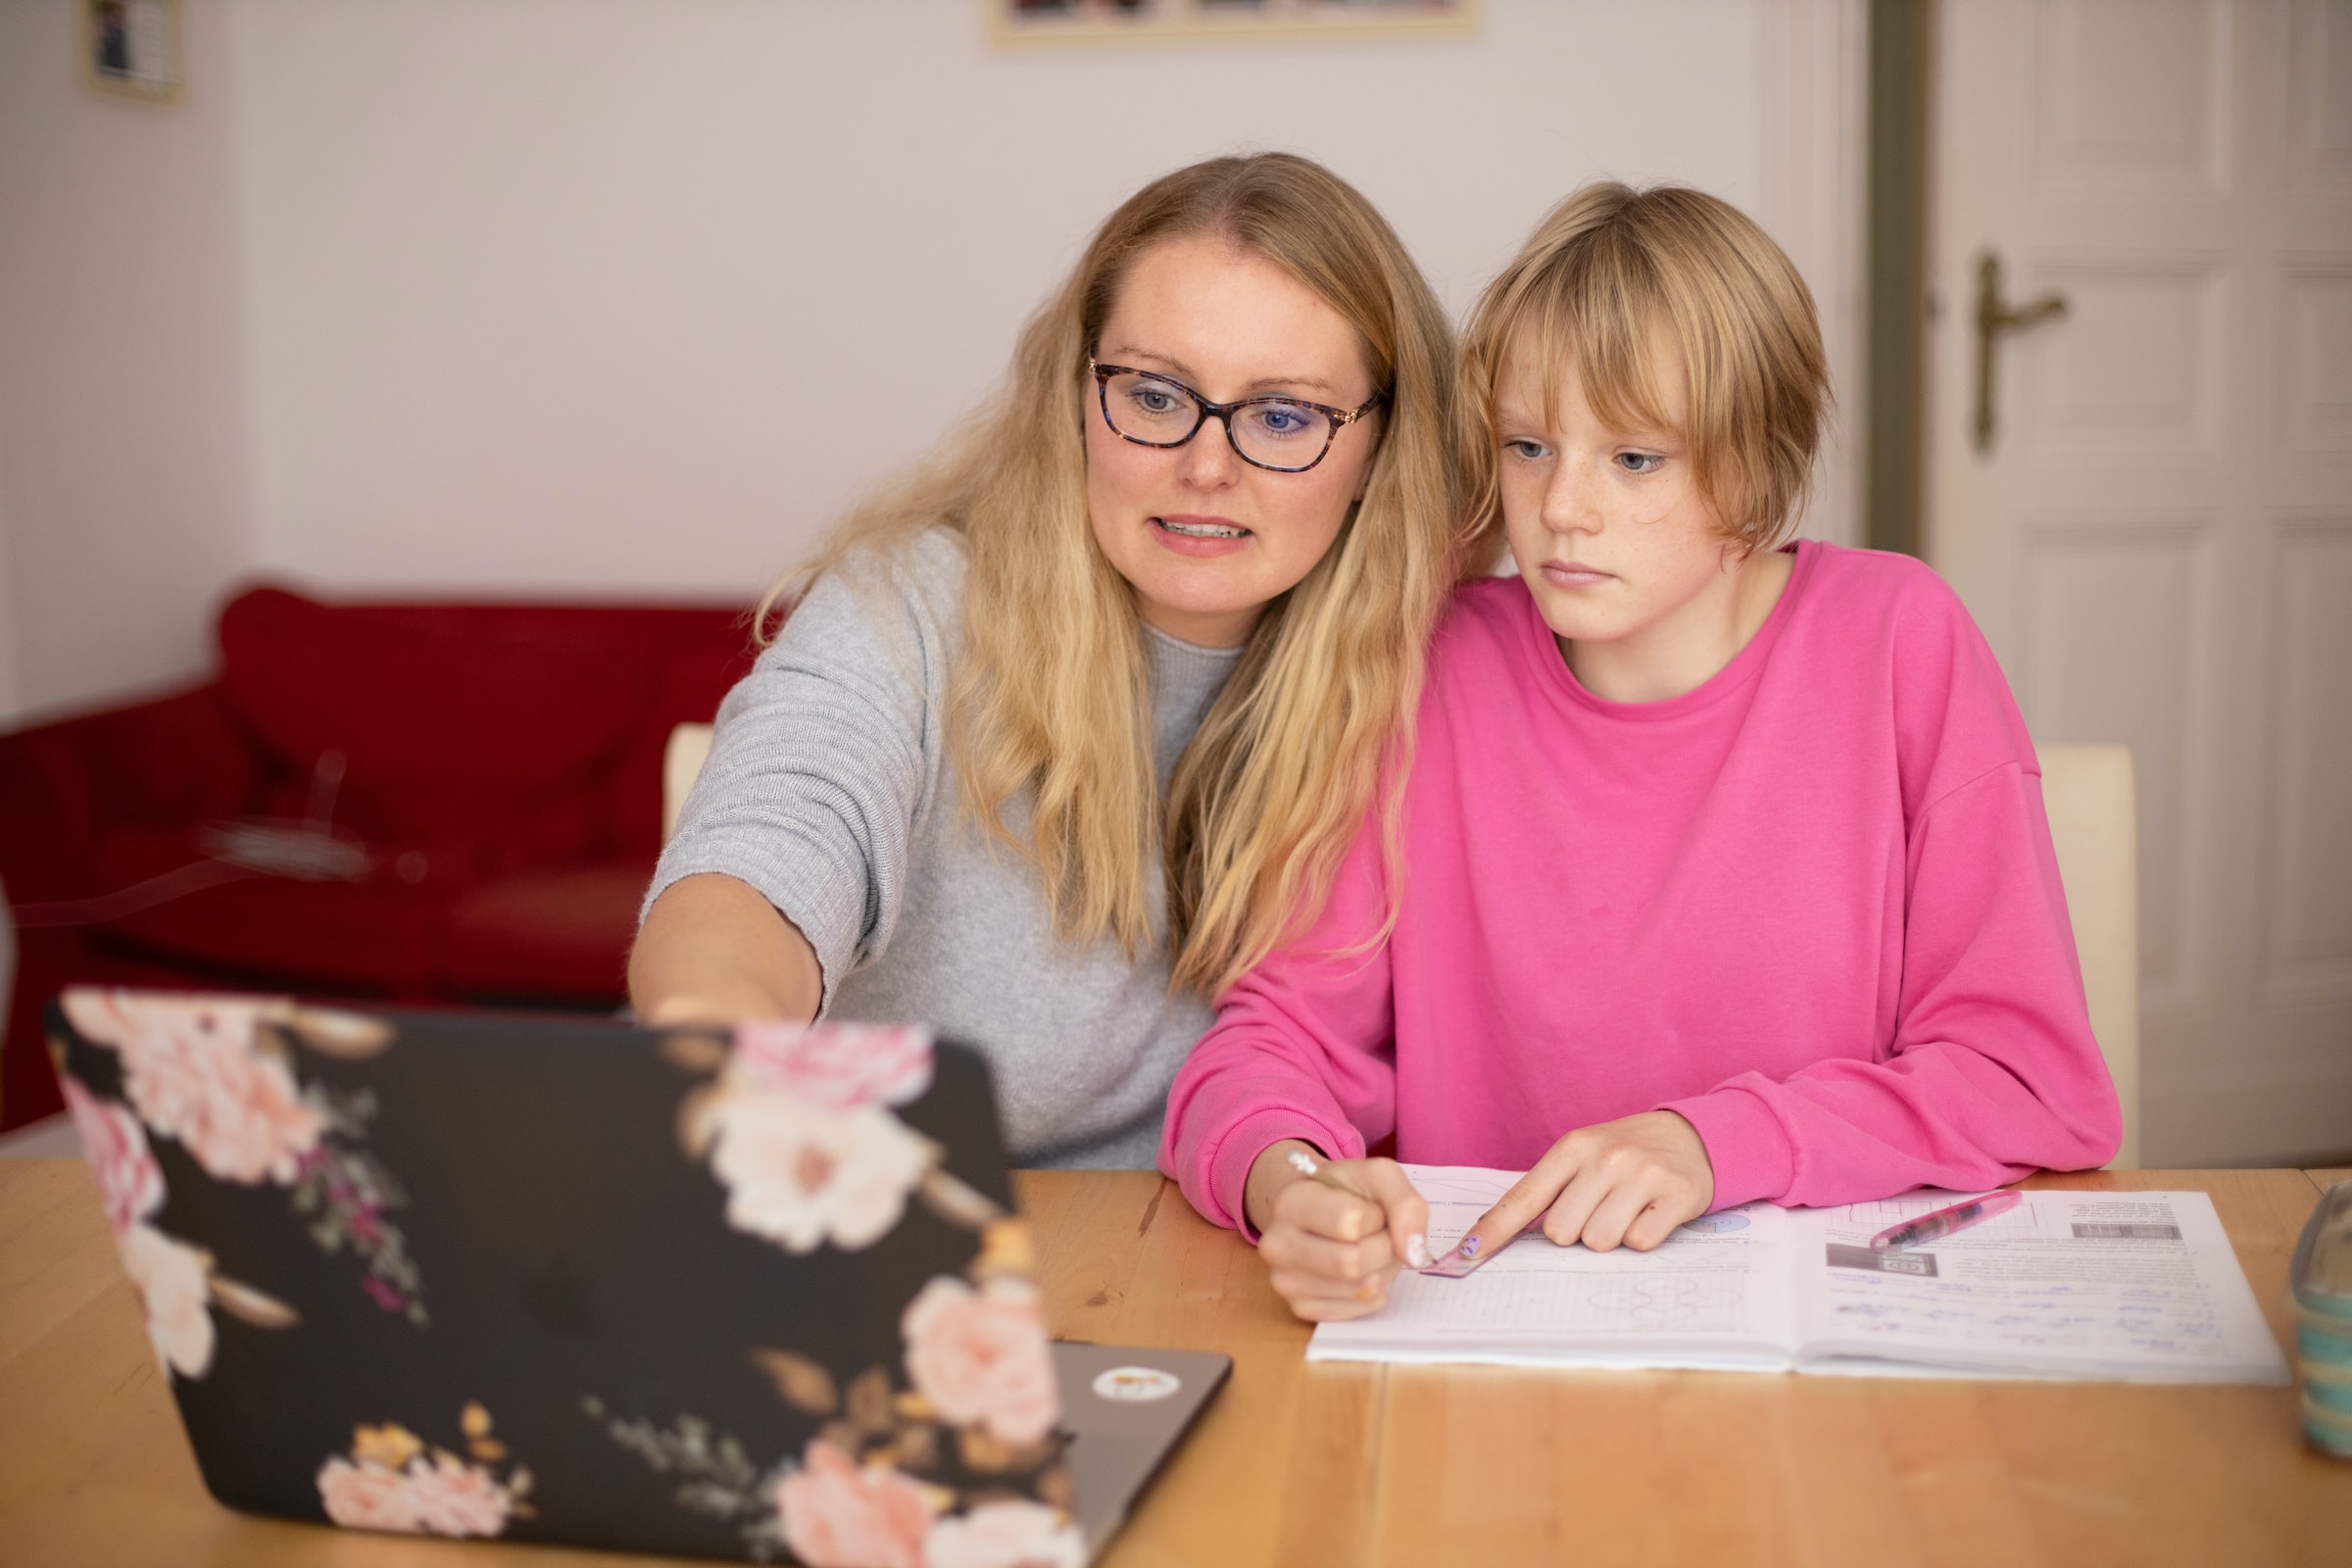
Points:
x=1073 y=722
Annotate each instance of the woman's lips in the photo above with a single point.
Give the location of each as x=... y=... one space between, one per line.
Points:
x=1188 y=535
x=1575 y=574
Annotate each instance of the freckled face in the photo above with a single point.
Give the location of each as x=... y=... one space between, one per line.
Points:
x=1610 y=528
x=1206 y=539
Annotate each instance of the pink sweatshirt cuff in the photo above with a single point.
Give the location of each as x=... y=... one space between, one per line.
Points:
x=1237 y=1150
x=1746 y=1145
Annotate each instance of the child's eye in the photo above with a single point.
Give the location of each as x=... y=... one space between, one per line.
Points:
x=1525 y=450
x=1640 y=461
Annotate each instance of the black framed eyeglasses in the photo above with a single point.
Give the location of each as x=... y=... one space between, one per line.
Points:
x=1288 y=435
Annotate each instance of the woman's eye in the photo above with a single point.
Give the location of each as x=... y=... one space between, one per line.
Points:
x=1151 y=399
x=1282 y=420
x=1640 y=461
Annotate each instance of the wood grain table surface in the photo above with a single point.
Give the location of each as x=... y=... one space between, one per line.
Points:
x=1336 y=1463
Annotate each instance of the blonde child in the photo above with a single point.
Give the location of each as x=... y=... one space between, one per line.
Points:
x=1721 y=870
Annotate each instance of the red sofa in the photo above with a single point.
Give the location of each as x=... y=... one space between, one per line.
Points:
x=499 y=801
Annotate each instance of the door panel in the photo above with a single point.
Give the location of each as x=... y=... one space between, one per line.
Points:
x=2136 y=366
x=2307 y=897
x=2133 y=93
x=2315 y=355
x=2320 y=98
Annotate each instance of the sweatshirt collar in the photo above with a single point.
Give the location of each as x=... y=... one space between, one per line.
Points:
x=1551 y=668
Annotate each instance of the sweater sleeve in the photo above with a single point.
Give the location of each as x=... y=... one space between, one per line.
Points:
x=825 y=753
x=1992 y=1071
x=1302 y=1048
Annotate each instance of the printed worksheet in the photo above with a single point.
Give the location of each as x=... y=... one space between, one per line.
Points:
x=2141 y=1286
x=2137 y=1285
x=1717 y=1293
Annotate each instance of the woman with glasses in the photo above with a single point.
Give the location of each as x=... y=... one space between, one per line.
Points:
x=1070 y=726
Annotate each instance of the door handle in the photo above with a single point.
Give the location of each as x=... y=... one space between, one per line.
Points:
x=1993 y=320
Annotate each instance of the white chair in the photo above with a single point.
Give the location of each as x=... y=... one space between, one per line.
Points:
x=681 y=764
x=2088 y=792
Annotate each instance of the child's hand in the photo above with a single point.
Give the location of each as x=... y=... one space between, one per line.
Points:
x=1331 y=1255
x=1631 y=1180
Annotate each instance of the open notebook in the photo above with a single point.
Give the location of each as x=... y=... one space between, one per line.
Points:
x=2134 y=1286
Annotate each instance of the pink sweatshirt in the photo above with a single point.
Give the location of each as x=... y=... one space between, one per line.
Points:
x=1810 y=905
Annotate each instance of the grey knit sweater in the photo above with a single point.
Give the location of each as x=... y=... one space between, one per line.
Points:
x=828 y=789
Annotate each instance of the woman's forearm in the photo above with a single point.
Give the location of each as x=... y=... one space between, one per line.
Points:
x=713 y=951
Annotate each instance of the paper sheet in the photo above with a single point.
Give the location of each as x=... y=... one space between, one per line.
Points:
x=2139 y=1286
x=1715 y=1294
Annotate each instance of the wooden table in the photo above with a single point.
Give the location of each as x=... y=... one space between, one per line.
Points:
x=1302 y=1464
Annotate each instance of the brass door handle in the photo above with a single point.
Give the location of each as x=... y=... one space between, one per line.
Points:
x=1994 y=318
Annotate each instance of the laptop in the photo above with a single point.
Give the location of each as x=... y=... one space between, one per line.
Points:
x=758 y=1294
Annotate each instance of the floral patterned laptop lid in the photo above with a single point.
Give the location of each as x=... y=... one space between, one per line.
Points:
x=758 y=1296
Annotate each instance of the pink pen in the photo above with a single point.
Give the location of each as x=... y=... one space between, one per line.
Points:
x=1945 y=1221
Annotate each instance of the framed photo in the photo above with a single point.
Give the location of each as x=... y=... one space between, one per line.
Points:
x=131 y=48
x=1017 y=22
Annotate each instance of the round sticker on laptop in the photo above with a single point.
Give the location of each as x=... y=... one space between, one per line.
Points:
x=1136 y=1384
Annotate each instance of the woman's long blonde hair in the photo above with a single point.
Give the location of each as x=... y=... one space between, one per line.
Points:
x=1052 y=698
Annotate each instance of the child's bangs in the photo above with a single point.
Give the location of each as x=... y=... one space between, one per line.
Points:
x=1605 y=313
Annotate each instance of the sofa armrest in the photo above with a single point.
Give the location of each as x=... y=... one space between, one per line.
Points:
x=178 y=759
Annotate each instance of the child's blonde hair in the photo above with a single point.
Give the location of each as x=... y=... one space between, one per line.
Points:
x=1050 y=707
x=1604 y=271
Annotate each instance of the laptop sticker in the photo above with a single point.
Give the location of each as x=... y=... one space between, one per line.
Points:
x=1136 y=1384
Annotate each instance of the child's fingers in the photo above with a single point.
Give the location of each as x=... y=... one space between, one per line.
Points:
x=1327 y=1211
x=1570 y=1217
x=1613 y=1216
x=1340 y=1265
x=1408 y=1213
x=1658 y=1221
x=1530 y=1196
x=1311 y=1307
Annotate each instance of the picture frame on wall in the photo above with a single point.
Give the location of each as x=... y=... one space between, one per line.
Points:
x=130 y=49
x=1020 y=22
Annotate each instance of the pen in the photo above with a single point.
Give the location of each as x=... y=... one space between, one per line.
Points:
x=1945 y=1221
x=1315 y=1170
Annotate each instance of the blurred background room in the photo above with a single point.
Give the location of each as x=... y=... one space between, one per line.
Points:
x=517 y=345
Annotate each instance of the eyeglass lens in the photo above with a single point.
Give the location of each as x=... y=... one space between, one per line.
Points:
x=1274 y=432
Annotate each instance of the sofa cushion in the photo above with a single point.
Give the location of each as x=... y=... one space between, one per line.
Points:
x=548 y=935
x=449 y=735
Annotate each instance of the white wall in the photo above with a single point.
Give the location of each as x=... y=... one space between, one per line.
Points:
x=629 y=296
x=11 y=689
x=122 y=429
x=617 y=294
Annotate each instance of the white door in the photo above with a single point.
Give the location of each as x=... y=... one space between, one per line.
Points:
x=2157 y=540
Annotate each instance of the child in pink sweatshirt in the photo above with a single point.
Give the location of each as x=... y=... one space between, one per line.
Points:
x=1720 y=870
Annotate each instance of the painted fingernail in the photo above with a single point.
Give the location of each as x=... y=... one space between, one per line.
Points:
x=1469 y=1247
x=1417 y=1250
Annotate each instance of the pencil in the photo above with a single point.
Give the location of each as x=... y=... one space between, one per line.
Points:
x=1315 y=1170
